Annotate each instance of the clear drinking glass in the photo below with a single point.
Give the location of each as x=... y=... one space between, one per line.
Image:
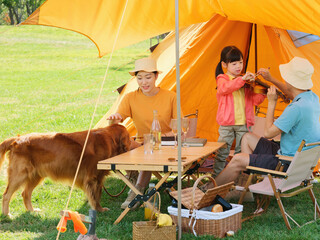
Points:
x=148 y=143
x=184 y=128
x=174 y=129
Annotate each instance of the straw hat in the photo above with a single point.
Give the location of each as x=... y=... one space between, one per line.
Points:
x=298 y=73
x=145 y=64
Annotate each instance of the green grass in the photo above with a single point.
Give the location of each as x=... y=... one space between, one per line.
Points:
x=50 y=80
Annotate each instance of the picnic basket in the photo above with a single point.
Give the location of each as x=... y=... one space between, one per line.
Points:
x=146 y=230
x=194 y=198
x=198 y=218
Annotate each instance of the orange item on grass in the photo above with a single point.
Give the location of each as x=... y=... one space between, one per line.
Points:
x=77 y=223
x=62 y=225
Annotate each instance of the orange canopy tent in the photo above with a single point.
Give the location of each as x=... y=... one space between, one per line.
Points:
x=100 y=19
x=206 y=27
x=200 y=47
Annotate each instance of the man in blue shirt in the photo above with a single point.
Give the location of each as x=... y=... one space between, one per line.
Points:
x=299 y=121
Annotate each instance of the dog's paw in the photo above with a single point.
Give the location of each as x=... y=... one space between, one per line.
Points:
x=37 y=210
x=6 y=218
x=104 y=209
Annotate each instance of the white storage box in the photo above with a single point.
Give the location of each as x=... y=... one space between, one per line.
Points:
x=203 y=221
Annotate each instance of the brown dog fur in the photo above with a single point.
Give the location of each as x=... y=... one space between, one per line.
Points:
x=36 y=156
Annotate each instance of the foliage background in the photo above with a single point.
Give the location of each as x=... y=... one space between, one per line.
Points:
x=13 y=12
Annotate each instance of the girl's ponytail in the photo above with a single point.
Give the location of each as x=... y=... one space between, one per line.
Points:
x=219 y=69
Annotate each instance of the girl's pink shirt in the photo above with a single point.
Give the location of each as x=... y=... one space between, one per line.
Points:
x=225 y=87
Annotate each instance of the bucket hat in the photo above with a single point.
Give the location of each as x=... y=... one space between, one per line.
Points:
x=298 y=73
x=145 y=64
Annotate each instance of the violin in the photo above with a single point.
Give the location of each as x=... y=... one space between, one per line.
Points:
x=258 y=86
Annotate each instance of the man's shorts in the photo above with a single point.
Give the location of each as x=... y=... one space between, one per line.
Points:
x=263 y=155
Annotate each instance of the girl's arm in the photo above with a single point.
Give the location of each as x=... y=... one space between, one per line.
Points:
x=225 y=86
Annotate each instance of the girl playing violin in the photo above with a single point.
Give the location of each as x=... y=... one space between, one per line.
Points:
x=235 y=103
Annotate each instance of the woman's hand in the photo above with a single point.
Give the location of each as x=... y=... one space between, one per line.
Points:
x=248 y=76
x=272 y=94
x=264 y=72
x=115 y=118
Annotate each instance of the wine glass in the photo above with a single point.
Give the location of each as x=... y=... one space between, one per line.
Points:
x=174 y=129
x=185 y=128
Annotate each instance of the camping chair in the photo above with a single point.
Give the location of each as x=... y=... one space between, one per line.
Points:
x=193 y=120
x=286 y=184
x=192 y=132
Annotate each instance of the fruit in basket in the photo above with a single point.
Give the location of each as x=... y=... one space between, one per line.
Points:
x=163 y=219
x=217 y=208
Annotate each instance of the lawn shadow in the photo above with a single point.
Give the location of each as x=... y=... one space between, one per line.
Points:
x=43 y=225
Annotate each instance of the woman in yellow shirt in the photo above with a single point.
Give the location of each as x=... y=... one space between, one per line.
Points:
x=139 y=106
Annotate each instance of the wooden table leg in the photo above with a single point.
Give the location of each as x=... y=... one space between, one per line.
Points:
x=162 y=180
x=127 y=181
x=121 y=216
x=136 y=191
x=158 y=175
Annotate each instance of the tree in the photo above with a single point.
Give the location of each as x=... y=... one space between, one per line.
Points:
x=32 y=5
x=20 y=9
x=14 y=9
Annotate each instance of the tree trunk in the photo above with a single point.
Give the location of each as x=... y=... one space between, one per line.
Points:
x=32 y=5
x=11 y=16
x=16 y=14
x=29 y=9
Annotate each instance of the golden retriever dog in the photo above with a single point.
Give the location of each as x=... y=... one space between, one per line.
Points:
x=36 y=156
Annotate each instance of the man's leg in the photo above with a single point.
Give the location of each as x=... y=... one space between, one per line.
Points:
x=144 y=178
x=237 y=164
x=249 y=142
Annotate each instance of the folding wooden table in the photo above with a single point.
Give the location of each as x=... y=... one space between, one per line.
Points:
x=158 y=161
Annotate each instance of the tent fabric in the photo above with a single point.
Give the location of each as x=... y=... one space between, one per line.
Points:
x=200 y=47
x=99 y=20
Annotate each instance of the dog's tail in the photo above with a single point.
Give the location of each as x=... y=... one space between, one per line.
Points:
x=5 y=147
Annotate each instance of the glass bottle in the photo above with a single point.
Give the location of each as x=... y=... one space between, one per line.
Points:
x=154 y=202
x=156 y=131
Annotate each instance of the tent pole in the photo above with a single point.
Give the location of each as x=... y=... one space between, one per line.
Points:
x=178 y=112
x=255 y=49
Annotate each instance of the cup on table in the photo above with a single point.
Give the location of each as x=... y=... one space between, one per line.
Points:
x=148 y=143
